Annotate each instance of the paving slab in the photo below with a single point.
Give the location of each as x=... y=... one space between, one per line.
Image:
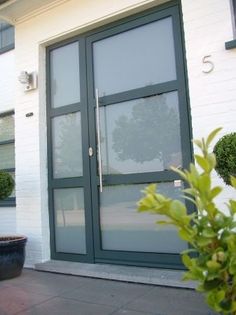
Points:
x=170 y=301
x=15 y=299
x=60 y=306
x=108 y=292
x=129 y=312
x=47 y=283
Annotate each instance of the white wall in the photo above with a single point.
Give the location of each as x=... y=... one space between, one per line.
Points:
x=7 y=100
x=207 y=25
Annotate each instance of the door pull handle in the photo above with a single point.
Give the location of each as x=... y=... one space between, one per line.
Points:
x=98 y=140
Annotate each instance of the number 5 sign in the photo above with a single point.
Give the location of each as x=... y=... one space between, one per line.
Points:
x=208 y=64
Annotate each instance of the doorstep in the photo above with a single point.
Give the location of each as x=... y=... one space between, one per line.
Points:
x=162 y=277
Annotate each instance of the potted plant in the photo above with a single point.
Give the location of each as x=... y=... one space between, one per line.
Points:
x=12 y=247
x=211 y=233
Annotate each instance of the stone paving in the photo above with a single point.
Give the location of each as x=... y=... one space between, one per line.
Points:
x=42 y=293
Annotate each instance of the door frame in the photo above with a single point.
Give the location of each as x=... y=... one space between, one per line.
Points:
x=86 y=81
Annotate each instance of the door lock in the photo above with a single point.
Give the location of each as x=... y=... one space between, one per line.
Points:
x=90 y=151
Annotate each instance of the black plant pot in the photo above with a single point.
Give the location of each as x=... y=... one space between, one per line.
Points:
x=12 y=256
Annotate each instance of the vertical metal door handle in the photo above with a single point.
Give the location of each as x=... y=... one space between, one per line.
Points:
x=98 y=140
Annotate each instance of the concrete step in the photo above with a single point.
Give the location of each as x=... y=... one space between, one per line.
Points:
x=162 y=277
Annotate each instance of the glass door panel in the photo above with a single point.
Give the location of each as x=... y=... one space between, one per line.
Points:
x=65 y=75
x=70 y=220
x=141 y=135
x=123 y=228
x=67 y=158
x=136 y=58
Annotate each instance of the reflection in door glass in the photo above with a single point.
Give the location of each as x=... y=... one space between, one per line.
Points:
x=136 y=58
x=69 y=220
x=67 y=146
x=142 y=135
x=123 y=228
x=64 y=75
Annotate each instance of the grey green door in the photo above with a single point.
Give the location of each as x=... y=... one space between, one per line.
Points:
x=118 y=120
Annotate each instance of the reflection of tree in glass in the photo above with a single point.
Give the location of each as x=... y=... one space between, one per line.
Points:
x=150 y=132
x=68 y=150
x=7 y=128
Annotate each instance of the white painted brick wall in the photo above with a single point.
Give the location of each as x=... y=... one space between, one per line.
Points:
x=7 y=101
x=207 y=25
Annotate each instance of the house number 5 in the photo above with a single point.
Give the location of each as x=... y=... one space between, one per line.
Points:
x=208 y=64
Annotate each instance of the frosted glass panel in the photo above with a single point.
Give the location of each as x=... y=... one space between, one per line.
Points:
x=135 y=58
x=69 y=220
x=142 y=135
x=67 y=146
x=65 y=81
x=123 y=228
x=7 y=128
x=7 y=156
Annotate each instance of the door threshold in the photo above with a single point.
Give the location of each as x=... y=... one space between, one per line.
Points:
x=144 y=275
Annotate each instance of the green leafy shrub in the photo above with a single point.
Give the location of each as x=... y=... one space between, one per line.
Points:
x=210 y=232
x=6 y=185
x=225 y=152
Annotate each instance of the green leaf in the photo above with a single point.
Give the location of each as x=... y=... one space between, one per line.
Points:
x=187 y=261
x=180 y=172
x=190 y=191
x=164 y=222
x=213 y=265
x=209 y=285
x=233 y=306
x=202 y=162
x=151 y=188
x=194 y=172
x=232 y=206
x=226 y=307
x=212 y=160
x=198 y=143
x=208 y=233
x=233 y=181
x=215 y=191
x=204 y=183
x=232 y=266
x=203 y=241
x=189 y=250
x=184 y=235
x=188 y=276
x=212 y=136
x=177 y=209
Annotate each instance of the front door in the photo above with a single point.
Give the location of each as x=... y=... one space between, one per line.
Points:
x=118 y=120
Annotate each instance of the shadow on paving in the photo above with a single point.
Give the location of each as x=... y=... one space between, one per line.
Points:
x=42 y=293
